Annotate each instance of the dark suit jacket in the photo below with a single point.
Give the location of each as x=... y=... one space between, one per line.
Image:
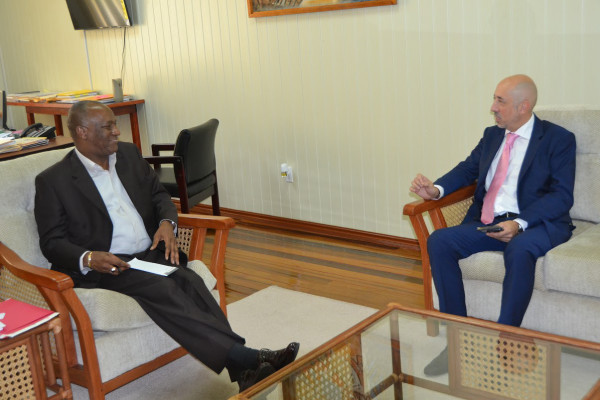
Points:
x=73 y=219
x=546 y=179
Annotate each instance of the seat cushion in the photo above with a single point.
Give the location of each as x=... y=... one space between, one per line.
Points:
x=166 y=176
x=110 y=311
x=574 y=267
x=489 y=266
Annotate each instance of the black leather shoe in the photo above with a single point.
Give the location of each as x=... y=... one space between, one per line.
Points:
x=279 y=358
x=439 y=365
x=250 y=377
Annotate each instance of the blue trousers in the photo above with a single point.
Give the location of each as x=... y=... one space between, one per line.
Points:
x=447 y=246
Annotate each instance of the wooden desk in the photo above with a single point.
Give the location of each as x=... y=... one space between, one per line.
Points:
x=59 y=142
x=59 y=109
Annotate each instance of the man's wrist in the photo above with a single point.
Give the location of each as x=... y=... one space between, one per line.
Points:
x=440 y=192
x=172 y=223
x=522 y=224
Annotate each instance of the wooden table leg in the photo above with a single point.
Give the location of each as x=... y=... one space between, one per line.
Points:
x=58 y=124
x=135 y=129
x=30 y=118
x=396 y=360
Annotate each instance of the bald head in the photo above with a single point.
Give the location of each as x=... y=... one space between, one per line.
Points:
x=514 y=100
x=523 y=89
x=79 y=114
x=93 y=127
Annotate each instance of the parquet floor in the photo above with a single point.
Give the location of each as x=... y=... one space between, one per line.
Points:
x=363 y=274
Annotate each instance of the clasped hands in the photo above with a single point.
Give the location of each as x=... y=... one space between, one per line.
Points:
x=424 y=187
x=108 y=263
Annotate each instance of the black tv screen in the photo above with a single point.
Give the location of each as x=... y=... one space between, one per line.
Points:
x=97 y=14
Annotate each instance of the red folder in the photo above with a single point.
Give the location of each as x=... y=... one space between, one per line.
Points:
x=20 y=317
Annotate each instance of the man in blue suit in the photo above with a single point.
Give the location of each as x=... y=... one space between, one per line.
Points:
x=530 y=204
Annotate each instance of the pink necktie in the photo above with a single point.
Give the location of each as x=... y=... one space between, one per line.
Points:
x=487 y=212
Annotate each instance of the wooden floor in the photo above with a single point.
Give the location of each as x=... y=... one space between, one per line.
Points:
x=363 y=274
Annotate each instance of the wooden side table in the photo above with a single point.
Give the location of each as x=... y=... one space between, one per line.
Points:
x=26 y=365
x=58 y=109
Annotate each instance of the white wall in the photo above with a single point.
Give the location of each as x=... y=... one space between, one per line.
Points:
x=356 y=101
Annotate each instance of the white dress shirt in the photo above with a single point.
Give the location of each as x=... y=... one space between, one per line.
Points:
x=129 y=233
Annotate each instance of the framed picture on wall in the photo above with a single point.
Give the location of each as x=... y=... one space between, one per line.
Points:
x=267 y=8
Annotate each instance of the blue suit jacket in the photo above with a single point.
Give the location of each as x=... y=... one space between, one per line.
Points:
x=546 y=179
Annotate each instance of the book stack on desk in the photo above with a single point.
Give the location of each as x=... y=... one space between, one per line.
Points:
x=8 y=145
x=28 y=142
x=75 y=95
x=32 y=97
x=102 y=98
x=63 y=97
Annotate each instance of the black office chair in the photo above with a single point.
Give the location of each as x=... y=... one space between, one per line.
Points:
x=193 y=176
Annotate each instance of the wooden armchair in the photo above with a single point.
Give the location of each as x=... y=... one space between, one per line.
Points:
x=448 y=211
x=54 y=290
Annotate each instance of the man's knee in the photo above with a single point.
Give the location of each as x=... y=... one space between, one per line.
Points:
x=437 y=241
x=523 y=249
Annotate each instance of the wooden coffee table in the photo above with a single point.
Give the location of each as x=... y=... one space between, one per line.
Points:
x=383 y=357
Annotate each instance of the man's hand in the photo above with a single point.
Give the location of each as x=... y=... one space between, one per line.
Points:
x=422 y=186
x=511 y=229
x=166 y=234
x=104 y=262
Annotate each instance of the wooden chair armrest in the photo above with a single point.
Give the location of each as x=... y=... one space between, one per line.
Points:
x=158 y=147
x=221 y=225
x=421 y=206
x=57 y=290
x=163 y=159
x=47 y=278
x=177 y=162
x=205 y=221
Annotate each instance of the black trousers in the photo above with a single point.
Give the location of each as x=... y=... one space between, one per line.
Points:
x=181 y=305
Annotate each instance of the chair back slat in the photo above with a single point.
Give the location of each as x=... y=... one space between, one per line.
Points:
x=197 y=148
x=12 y=287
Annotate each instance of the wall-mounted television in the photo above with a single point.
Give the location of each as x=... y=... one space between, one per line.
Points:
x=98 y=14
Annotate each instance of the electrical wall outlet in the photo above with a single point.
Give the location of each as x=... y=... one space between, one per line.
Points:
x=286 y=172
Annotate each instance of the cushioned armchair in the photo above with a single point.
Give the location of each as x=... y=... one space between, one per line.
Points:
x=566 y=297
x=193 y=176
x=109 y=338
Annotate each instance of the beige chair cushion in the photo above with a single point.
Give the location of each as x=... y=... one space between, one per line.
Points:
x=574 y=267
x=584 y=122
x=489 y=266
x=110 y=311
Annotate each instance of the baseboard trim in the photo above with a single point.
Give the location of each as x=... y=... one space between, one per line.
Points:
x=336 y=232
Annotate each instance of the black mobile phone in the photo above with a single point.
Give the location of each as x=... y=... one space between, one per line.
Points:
x=490 y=228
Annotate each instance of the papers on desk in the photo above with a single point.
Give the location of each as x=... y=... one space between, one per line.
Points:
x=8 y=145
x=151 y=267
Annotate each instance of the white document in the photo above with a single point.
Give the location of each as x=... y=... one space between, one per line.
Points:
x=151 y=267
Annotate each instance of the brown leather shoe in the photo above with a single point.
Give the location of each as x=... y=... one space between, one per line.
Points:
x=250 y=377
x=279 y=358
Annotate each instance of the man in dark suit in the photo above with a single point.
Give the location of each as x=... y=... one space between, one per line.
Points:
x=529 y=201
x=100 y=207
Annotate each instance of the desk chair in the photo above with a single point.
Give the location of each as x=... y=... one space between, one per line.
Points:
x=193 y=176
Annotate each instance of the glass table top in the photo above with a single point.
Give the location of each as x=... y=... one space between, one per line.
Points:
x=384 y=357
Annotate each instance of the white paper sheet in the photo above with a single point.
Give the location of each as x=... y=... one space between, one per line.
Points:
x=151 y=267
